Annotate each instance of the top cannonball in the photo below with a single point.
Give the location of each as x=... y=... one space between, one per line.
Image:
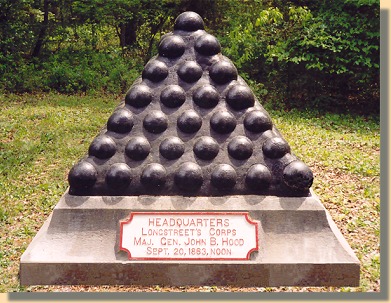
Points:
x=189 y=21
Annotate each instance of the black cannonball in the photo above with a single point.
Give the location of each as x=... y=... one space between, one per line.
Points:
x=155 y=71
x=223 y=72
x=240 y=97
x=102 y=147
x=138 y=148
x=118 y=176
x=139 y=96
x=275 y=148
x=207 y=45
x=190 y=72
x=224 y=177
x=206 y=148
x=298 y=176
x=206 y=96
x=188 y=21
x=172 y=148
x=223 y=122
x=257 y=121
x=121 y=121
x=172 y=47
x=173 y=96
x=155 y=122
x=189 y=177
x=153 y=176
x=82 y=177
x=258 y=177
x=189 y=121
x=240 y=148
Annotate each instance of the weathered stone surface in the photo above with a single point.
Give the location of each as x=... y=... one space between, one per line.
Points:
x=299 y=245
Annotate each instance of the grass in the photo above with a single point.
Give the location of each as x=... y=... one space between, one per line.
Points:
x=42 y=136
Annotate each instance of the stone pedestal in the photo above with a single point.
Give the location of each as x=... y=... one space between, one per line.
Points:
x=299 y=245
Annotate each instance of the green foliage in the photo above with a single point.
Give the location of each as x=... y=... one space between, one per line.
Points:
x=15 y=33
x=86 y=71
x=126 y=17
x=82 y=71
x=325 y=56
x=294 y=53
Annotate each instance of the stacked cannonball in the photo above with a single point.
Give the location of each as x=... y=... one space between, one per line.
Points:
x=190 y=126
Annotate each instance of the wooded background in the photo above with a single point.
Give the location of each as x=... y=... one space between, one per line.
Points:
x=304 y=54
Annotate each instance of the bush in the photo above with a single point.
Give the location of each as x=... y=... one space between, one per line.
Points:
x=325 y=55
x=72 y=72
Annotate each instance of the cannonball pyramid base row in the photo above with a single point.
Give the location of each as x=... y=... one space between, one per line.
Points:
x=190 y=126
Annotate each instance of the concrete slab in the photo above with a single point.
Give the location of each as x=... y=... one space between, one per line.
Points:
x=299 y=245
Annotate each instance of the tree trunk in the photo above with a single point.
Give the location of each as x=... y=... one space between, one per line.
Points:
x=42 y=33
x=154 y=31
x=94 y=39
x=128 y=33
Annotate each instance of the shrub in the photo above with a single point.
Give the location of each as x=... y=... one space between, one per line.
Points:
x=72 y=72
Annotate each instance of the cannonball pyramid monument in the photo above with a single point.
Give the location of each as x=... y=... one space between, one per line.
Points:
x=190 y=145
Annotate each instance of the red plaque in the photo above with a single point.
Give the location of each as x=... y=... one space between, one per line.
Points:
x=189 y=236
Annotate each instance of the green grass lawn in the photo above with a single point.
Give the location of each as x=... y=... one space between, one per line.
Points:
x=42 y=136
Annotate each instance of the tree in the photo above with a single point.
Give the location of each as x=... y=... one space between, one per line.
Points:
x=326 y=55
x=15 y=33
x=42 y=32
